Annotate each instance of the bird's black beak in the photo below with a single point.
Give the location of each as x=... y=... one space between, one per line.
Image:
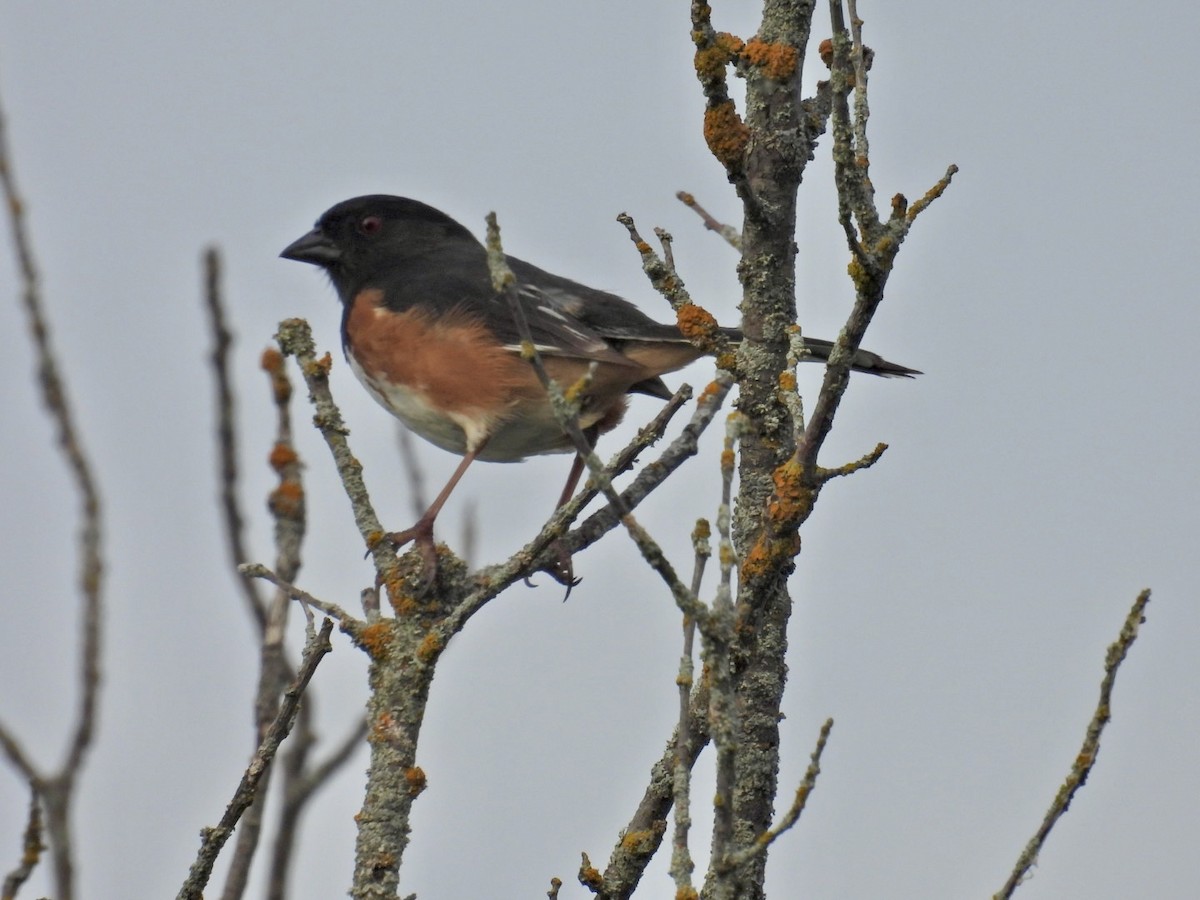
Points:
x=315 y=248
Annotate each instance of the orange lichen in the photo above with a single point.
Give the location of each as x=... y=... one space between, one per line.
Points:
x=590 y=877
x=727 y=361
x=639 y=842
x=271 y=361
x=825 y=49
x=281 y=455
x=789 y=506
x=376 y=639
x=321 y=368
x=725 y=133
x=710 y=390
x=793 y=499
x=431 y=646
x=399 y=599
x=415 y=779
x=384 y=728
x=697 y=325
x=776 y=61
x=711 y=59
x=287 y=500
x=787 y=381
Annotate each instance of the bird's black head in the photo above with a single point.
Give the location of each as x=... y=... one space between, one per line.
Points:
x=360 y=238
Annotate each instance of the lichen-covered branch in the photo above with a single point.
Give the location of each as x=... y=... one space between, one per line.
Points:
x=295 y=339
x=642 y=836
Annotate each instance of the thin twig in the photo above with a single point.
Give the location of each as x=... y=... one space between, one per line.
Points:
x=56 y=790
x=717 y=641
x=1082 y=765
x=295 y=339
x=862 y=110
x=213 y=839
x=695 y=323
x=257 y=570
x=529 y=558
x=287 y=505
x=863 y=462
x=287 y=501
x=227 y=450
x=682 y=864
x=320 y=773
x=732 y=236
x=31 y=850
x=300 y=785
x=630 y=857
x=873 y=253
x=807 y=785
x=568 y=418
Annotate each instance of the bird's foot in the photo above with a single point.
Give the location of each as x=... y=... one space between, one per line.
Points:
x=560 y=568
x=421 y=536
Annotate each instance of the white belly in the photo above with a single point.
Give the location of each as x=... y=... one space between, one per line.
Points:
x=507 y=440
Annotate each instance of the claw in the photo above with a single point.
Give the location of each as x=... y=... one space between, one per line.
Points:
x=561 y=569
x=421 y=536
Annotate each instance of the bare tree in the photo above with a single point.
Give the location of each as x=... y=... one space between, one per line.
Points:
x=773 y=445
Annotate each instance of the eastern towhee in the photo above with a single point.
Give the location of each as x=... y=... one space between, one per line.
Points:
x=438 y=347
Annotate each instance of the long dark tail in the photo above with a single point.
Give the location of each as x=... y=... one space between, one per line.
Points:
x=864 y=360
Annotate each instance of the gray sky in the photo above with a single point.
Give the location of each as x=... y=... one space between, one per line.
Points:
x=953 y=605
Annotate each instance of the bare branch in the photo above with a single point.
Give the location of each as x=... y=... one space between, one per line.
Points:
x=864 y=462
x=300 y=784
x=287 y=505
x=682 y=865
x=1081 y=767
x=727 y=136
x=567 y=414
x=56 y=790
x=18 y=758
x=873 y=244
x=287 y=500
x=530 y=558
x=213 y=839
x=227 y=454
x=695 y=323
x=641 y=837
x=807 y=785
x=31 y=850
x=295 y=339
x=732 y=236
x=318 y=775
x=717 y=640
x=257 y=570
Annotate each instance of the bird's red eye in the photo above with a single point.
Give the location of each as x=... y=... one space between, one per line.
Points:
x=370 y=225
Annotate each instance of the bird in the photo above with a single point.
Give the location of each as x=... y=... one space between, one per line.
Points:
x=438 y=346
